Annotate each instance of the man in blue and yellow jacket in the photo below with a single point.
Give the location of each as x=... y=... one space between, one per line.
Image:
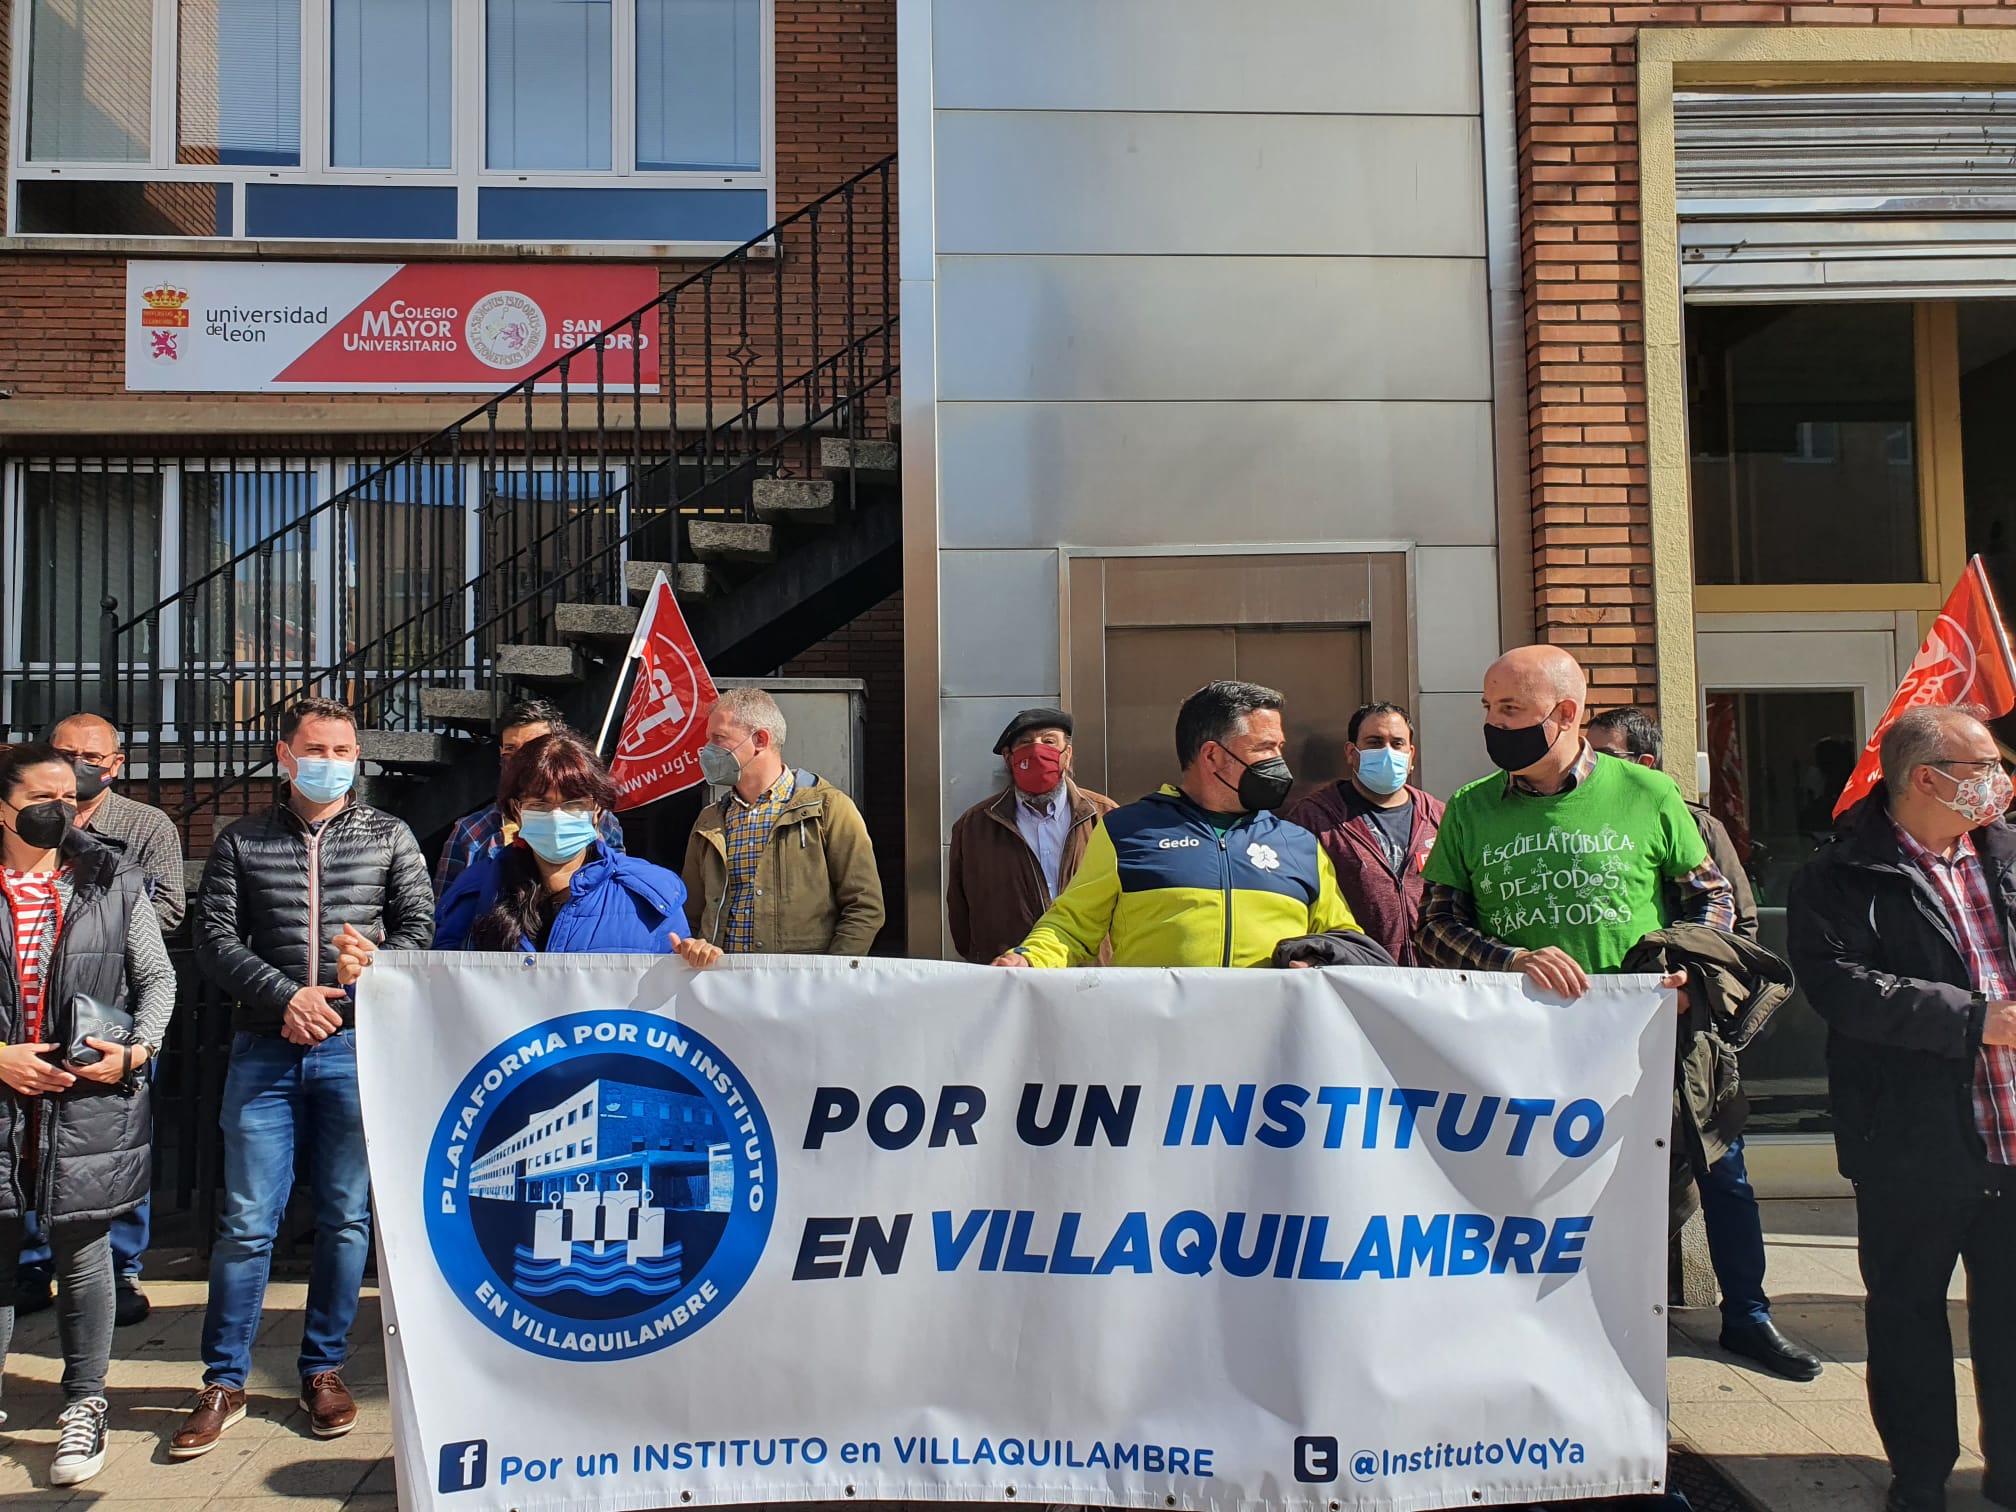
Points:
x=1203 y=873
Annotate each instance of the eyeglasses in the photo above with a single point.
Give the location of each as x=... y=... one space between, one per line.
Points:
x=1979 y=763
x=582 y=806
x=91 y=758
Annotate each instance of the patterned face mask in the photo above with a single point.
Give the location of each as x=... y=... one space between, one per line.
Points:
x=1980 y=798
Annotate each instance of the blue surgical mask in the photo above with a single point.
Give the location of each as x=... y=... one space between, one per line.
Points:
x=321 y=780
x=556 y=835
x=1383 y=769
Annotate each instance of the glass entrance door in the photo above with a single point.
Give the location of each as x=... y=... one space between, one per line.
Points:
x=1787 y=702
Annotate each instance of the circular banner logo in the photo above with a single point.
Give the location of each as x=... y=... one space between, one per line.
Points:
x=506 y=329
x=600 y=1186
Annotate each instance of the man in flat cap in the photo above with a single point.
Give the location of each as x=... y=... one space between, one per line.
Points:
x=1013 y=853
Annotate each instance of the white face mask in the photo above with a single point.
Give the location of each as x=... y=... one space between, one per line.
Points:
x=1980 y=798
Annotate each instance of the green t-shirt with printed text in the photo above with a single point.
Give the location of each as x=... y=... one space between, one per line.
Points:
x=1583 y=870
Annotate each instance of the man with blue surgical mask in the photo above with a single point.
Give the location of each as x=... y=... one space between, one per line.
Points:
x=279 y=888
x=1377 y=827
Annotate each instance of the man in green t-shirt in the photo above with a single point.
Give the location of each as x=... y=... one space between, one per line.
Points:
x=1559 y=867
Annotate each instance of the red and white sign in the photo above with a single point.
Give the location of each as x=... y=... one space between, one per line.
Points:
x=1965 y=660
x=357 y=328
x=665 y=723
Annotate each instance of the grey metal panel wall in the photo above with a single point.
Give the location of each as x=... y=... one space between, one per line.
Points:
x=1373 y=57
x=1205 y=277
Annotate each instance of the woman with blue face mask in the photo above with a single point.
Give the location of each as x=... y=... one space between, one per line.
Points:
x=556 y=887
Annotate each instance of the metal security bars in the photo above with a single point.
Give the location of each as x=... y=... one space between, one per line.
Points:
x=190 y=595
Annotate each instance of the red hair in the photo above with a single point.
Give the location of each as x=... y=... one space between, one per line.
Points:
x=560 y=763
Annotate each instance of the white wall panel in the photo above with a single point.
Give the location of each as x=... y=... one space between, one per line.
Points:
x=1407 y=186
x=1213 y=328
x=1357 y=56
x=1455 y=615
x=1158 y=474
x=1451 y=731
x=1000 y=624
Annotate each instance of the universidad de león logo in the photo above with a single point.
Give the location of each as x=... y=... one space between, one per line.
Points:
x=600 y=1186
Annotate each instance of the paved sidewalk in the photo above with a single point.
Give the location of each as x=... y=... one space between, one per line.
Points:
x=1793 y=1448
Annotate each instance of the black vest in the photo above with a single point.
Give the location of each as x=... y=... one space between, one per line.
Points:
x=93 y=1140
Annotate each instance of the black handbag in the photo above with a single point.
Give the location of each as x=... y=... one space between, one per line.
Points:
x=80 y=1017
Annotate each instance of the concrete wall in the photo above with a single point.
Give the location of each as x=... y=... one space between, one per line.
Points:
x=1188 y=277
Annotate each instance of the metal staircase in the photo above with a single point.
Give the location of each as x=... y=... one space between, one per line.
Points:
x=505 y=553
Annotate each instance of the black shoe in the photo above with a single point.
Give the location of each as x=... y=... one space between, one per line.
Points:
x=1999 y=1494
x=33 y=1294
x=131 y=1305
x=1763 y=1343
x=1903 y=1497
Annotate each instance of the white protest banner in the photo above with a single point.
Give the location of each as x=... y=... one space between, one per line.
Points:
x=797 y=1229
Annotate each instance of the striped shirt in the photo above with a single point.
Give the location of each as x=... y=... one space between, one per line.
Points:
x=1962 y=886
x=38 y=919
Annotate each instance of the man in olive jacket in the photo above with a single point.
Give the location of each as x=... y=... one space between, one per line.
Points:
x=781 y=864
x=1901 y=933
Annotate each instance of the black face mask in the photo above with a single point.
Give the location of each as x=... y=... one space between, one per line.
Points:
x=43 y=825
x=1263 y=784
x=1516 y=750
x=91 y=780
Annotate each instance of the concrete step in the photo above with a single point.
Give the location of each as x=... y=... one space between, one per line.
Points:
x=793 y=501
x=473 y=708
x=597 y=623
x=405 y=748
x=871 y=461
x=541 y=664
x=721 y=541
x=690 y=580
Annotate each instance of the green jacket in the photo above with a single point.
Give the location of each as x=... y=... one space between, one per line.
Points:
x=817 y=890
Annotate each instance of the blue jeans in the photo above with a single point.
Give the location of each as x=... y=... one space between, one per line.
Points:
x=1735 y=1239
x=278 y=1094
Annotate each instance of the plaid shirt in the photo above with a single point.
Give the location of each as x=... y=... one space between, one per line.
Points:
x=1448 y=934
x=1962 y=886
x=745 y=831
x=480 y=836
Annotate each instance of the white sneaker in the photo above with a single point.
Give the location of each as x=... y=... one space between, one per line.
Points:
x=80 y=1447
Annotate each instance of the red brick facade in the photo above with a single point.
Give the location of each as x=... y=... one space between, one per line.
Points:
x=836 y=114
x=1575 y=69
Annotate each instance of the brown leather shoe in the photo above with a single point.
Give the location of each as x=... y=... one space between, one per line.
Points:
x=332 y=1411
x=217 y=1408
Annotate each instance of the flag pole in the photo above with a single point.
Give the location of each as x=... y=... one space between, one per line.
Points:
x=1980 y=569
x=638 y=640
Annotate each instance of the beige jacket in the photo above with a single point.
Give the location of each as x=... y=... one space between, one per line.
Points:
x=817 y=890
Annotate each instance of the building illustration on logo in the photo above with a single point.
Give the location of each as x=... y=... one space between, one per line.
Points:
x=604 y=1167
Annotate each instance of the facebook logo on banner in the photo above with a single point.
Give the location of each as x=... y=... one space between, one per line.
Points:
x=465 y=1466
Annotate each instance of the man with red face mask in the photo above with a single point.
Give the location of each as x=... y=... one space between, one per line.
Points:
x=1903 y=933
x=1013 y=853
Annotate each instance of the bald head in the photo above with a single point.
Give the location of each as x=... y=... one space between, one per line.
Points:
x=86 y=734
x=1542 y=674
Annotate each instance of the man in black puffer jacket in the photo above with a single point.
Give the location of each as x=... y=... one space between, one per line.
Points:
x=278 y=887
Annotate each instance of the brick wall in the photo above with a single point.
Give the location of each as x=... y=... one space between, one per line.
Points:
x=871 y=648
x=1576 y=67
x=836 y=114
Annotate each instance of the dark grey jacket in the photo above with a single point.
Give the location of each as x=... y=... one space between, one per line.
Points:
x=93 y=1140
x=274 y=894
x=1883 y=965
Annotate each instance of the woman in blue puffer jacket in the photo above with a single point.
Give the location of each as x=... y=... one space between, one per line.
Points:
x=558 y=888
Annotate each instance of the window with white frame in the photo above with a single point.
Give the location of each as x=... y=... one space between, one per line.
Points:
x=618 y=121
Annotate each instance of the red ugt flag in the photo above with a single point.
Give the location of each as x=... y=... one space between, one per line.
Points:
x=1965 y=660
x=664 y=725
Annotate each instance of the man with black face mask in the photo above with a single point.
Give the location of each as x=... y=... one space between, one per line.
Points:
x=1214 y=878
x=1560 y=866
x=146 y=837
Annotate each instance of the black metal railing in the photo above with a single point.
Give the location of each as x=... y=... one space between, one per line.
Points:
x=191 y=597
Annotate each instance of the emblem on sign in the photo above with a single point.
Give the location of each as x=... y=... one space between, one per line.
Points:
x=505 y=329
x=600 y=1186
